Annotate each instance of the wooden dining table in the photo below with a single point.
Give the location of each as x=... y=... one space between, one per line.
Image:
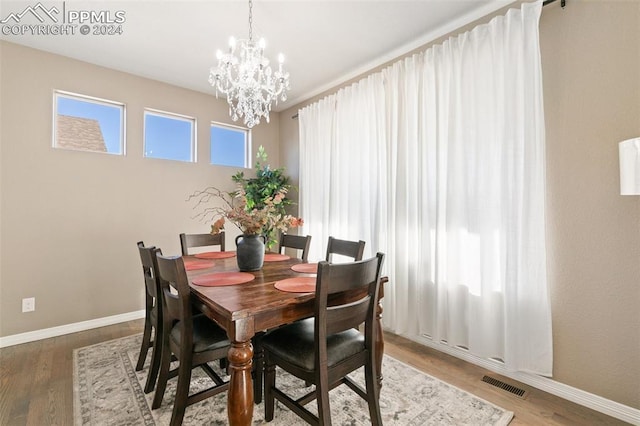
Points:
x=252 y=307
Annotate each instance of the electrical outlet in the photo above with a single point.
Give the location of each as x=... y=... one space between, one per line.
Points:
x=29 y=304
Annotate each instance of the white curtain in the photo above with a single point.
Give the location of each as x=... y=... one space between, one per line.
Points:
x=438 y=161
x=342 y=166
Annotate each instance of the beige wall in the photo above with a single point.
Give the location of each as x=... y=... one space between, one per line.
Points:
x=591 y=67
x=70 y=220
x=591 y=63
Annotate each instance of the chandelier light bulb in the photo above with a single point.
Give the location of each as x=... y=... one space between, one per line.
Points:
x=247 y=80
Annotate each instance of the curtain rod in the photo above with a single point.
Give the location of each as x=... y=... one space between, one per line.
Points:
x=563 y=3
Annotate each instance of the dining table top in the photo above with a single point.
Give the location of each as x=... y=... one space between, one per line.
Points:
x=255 y=298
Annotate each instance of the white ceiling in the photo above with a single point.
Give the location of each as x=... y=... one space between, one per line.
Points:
x=324 y=42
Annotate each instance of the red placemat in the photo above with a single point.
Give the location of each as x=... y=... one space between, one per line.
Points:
x=193 y=265
x=275 y=257
x=306 y=268
x=297 y=285
x=215 y=254
x=223 y=278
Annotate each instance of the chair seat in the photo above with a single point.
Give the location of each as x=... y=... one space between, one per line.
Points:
x=340 y=346
x=207 y=335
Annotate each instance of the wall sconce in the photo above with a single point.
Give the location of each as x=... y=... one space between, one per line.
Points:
x=630 y=167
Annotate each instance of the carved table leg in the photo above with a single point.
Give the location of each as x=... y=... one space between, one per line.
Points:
x=240 y=397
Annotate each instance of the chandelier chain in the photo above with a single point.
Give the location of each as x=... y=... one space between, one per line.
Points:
x=250 y=20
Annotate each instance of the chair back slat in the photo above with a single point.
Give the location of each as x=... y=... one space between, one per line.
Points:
x=174 y=287
x=359 y=281
x=149 y=268
x=357 y=275
x=296 y=242
x=188 y=241
x=352 y=249
x=344 y=317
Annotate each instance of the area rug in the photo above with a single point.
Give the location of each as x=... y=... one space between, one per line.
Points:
x=108 y=391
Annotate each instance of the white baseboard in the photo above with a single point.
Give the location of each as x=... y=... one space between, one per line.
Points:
x=586 y=399
x=31 y=336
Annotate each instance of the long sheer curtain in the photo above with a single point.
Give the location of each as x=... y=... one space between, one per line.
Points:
x=438 y=161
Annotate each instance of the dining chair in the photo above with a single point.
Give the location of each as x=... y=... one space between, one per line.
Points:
x=193 y=340
x=152 y=316
x=286 y=240
x=353 y=249
x=188 y=241
x=297 y=242
x=324 y=349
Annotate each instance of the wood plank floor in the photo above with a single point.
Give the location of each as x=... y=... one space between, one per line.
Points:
x=36 y=381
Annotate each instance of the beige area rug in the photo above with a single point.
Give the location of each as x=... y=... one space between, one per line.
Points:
x=108 y=391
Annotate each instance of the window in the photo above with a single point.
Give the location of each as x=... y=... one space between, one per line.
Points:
x=169 y=136
x=230 y=145
x=88 y=124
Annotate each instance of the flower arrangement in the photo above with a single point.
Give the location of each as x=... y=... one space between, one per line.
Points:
x=249 y=221
x=257 y=206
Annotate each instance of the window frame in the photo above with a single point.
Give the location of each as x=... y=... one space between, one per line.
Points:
x=94 y=100
x=174 y=116
x=248 y=142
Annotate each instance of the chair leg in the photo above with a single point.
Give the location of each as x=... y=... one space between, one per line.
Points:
x=146 y=342
x=182 y=390
x=269 y=384
x=373 y=395
x=155 y=361
x=224 y=364
x=163 y=376
x=258 y=367
x=322 y=395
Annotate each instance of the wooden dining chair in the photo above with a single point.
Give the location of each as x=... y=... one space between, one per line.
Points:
x=353 y=249
x=324 y=349
x=188 y=241
x=296 y=242
x=193 y=340
x=286 y=240
x=152 y=316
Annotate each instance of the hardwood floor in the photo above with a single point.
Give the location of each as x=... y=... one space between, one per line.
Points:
x=36 y=381
x=536 y=408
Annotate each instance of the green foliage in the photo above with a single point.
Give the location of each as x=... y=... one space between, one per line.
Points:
x=267 y=183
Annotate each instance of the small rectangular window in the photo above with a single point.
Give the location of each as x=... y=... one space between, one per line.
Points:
x=230 y=145
x=169 y=136
x=88 y=124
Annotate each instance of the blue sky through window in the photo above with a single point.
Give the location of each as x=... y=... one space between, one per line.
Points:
x=228 y=146
x=167 y=137
x=109 y=117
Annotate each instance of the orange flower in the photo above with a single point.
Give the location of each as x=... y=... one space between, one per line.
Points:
x=217 y=226
x=296 y=222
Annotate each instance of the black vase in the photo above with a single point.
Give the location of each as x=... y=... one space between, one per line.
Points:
x=250 y=251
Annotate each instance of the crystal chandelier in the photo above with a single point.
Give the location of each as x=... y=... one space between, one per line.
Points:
x=248 y=81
